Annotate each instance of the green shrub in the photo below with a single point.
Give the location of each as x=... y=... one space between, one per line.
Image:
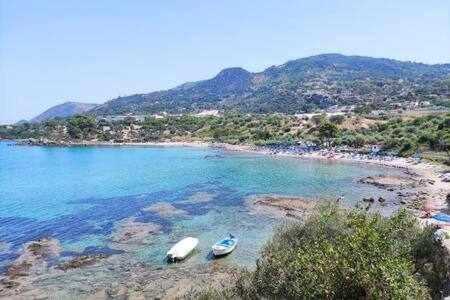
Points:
x=337 y=119
x=340 y=254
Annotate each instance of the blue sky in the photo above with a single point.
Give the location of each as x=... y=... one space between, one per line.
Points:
x=92 y=51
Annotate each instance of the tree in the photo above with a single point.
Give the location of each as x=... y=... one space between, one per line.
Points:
x=318 y=119
x=80 y=127
x=327 y=132
x=337 y=119
x=363 y=109
x=129 y=120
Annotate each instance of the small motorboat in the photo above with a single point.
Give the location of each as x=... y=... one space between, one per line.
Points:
x=180 y=250
x=224 y=246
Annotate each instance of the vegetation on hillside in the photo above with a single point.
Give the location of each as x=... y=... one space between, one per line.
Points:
x=346 y=254
x=402 y=136
x=302 y=85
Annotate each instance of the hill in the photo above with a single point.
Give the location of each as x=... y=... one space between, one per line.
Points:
x=300 y=85
x=64 y=110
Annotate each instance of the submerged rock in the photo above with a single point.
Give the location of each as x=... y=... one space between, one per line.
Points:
x=165 y=210
x=43 y=248
x=130 y=231
x=32 y=261
x=200 y=197
x=81 y=261
x=4 y=247
x=390 y=182
x=35 y=255
x=293 y=207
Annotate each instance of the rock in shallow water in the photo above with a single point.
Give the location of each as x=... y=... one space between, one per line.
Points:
x=293 y=207
x=165 y=210
x=390 y=182
x=130 y=231
x=81 y=261
x=32 y=261
x=200 y=197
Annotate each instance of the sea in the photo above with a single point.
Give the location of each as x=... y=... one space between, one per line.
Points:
x=81 y=196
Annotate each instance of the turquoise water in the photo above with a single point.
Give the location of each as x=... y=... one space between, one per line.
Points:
x=78 y=195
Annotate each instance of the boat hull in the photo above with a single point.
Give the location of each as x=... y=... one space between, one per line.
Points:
x=219 y=250
x=182 y=249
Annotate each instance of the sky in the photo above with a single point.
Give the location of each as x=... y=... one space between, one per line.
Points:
x=52 y=51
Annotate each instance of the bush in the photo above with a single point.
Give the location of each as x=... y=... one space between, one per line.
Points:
x=337 y=119
x=339 y=254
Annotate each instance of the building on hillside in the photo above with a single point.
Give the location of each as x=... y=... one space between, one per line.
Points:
x=205 y=113
x=156 y=116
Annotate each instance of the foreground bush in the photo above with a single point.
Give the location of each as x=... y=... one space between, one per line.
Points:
x=339 y=254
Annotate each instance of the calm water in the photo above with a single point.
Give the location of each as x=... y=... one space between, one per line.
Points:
x=78 y=195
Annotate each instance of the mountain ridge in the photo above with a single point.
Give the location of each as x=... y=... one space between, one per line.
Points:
x=299 y=85
x=64 y=110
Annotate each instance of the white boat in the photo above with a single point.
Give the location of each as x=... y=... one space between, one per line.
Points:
x=224 y=246
x=182 y=249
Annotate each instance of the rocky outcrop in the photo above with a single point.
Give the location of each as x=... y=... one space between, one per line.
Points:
x=293 y=207
x=392 y=182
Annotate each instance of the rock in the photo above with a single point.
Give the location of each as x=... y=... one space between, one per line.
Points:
x=130 y=231
x=81 y=261
x=445 y=177
x=33 y=259
x=165 y=210
x=19 y=269
x=340 y=199
x=448 y=198
x=200 y=197
x=370 y=200
x=43 y=248
x=425 y=181
x=6 y=284
x=389 y=181
x=295 y=207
